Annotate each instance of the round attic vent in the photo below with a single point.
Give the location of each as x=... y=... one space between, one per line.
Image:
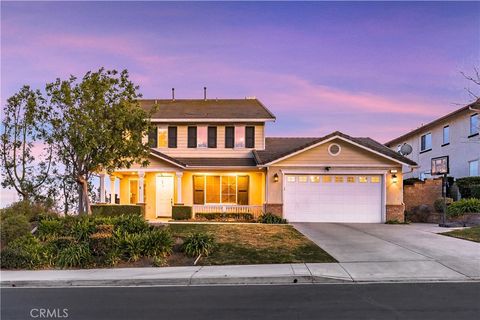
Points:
x=334 y=149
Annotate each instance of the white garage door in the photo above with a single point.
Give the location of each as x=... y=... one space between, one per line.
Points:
x=333 y=198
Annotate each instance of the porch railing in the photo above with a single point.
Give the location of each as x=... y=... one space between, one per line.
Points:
x=255 y=210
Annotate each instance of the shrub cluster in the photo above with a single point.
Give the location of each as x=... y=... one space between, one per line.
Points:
x=438 y=204
x=88 y=241
x=270 y=218
x=199 y=243
x=110 y=210
x=222 y=216
x=463 y=206
x=469 y=187
x=180 y=212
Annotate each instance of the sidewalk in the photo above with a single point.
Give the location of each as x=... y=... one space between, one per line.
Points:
x=224 y=275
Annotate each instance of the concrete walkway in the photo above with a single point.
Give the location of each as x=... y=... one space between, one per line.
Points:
x=381 y=252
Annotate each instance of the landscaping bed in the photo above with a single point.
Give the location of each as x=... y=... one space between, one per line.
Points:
x=472 y=234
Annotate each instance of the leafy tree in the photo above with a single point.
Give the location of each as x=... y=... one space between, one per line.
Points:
x=97 y=125
x=23 y=129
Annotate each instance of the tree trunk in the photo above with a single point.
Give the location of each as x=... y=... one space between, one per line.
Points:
x=81 y=209
x=83 y=196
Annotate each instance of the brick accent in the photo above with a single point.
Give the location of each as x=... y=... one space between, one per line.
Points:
x=425 y=192
x=395 y=212
x=274 y=208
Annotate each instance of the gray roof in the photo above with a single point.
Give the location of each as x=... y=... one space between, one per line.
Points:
x=198 y=109
x=276 y=148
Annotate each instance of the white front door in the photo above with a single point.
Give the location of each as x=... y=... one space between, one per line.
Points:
x=164 y=196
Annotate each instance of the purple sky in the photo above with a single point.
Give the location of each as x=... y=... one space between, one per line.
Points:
x=367 y=69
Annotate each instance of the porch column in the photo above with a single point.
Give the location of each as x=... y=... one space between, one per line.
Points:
x=141 y=176
x=102 y=187
x=179 y=186
x=112 y=189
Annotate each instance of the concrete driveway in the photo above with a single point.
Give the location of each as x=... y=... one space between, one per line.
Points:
x=396 y=252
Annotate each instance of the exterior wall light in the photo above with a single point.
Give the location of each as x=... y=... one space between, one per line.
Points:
x=275 y=177
x=393 y=171
x=394 y=178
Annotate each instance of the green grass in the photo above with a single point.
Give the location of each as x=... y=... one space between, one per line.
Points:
x=255 y=244
x=472 y=234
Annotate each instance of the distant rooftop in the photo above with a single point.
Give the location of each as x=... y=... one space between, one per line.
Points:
x=203 y=109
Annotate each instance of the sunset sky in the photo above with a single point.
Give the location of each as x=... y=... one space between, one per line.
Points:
x=373 y=69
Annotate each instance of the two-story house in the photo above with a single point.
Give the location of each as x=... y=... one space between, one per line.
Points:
x=212 y=154
x=455 y=135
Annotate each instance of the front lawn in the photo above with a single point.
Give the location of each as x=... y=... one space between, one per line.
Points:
x=472 y=234
x=255 y=244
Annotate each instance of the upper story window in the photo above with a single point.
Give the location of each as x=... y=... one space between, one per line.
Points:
x=473 y=168
x=426 y=142
x=212 y=137
x=250 y=137
x=240 y=137
x=202 y=137
x=172 y=137
x=474 y=124
x=229 y=137
x=162 y=141
x=446 y=135
x=192 y=137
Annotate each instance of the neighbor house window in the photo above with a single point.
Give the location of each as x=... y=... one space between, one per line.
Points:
x=426 y=142
x=239 y=137
x=473 y=168
x=172 y=137
x=474 y=124
x=202 y=137
x=229 y=137
x=220 y=189
x=446 y=135
x=162 y=134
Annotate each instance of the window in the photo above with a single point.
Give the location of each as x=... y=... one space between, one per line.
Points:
x=239 y=137
x=192 y=137
x=426 y=142
x=198 y=189
x=315 y=179
x=212 y=137
x=202 y=137
x=162 y=141
x=172 y=137
x=351 y=179
x=446 y=135
x=327 y=179
x=362 y=179
x=152 y=137
x=334 y=149
x=375 y=179
x=473 y=168
x=229 y=189
x=242 y=190
x=250 y=137
x=338 y=179
x=302 y=179
x=290 y=178
x=229 y=137
x=474 y=124
x=212 y=189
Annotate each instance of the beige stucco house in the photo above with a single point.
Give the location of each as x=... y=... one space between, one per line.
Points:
x=213 y=155
x=455 y=136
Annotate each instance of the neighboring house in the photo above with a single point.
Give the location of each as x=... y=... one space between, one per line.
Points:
x=213 y=155
x=455 y=135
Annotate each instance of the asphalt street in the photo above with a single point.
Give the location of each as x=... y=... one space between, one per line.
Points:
x=320 y=301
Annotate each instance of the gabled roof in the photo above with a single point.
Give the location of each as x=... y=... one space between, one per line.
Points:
x=207 y=110
x=473 y=105
x=278 y=148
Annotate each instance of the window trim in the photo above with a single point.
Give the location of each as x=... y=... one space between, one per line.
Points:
x=249 y=143
x=445 y=143
x=473 y=133
x=172 y=143
x=227 y=141
x=478 y=169
x=191 y=130
x=212 y=130
x=426 y=149
x=204 y=176
x=332 y=145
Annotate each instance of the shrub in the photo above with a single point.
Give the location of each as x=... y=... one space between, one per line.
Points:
x=130 y=223
x=50 y=228
x=158 y=243
x=32 y=211
x=82 y=227
x=270 y=218
x=24 y=253
x=224 y=216
x=13 y=227
x=463 y=206
x=113 y=257
x=180 y=212
x=469 y=186
x=198 y=243
x=111 y=210
x=420 y=213
x=411 y=181
x=75 y=255
x=132 y=245
x=61 y=242
x=438 y=204
x=100 y=243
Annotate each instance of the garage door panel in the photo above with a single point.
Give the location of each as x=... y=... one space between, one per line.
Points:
x=333 y=201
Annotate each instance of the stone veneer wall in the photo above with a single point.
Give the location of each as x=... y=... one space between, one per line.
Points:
x=395 y=212
x=419 y=193
x=274 y=208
